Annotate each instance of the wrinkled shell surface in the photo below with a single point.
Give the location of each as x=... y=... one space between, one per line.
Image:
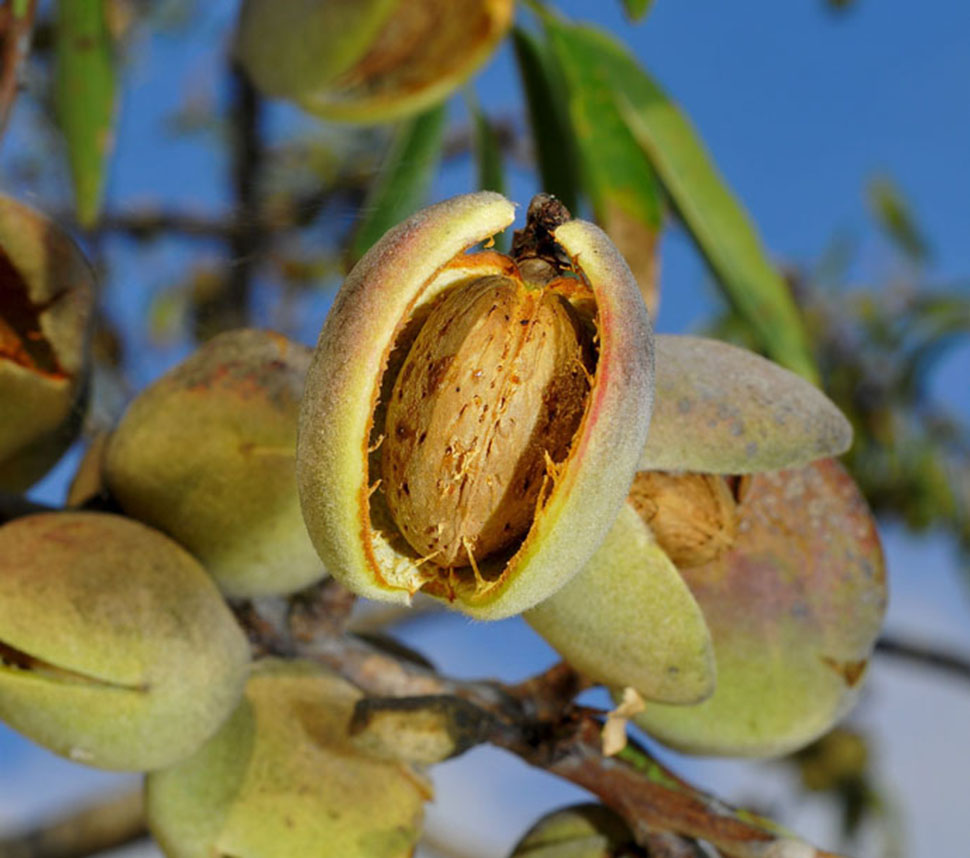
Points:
x=46 y=300
x=495 y=382
x=281 y=779
x=206 y=454
x=724 y=410
x=693 y=517
x=794 y=610
x=116 y=649
x=394 y=284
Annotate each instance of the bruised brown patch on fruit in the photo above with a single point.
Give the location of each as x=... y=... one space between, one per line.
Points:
x=850 y=671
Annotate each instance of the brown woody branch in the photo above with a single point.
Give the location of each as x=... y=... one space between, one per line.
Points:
x=924 y=655
x=535 y=720
x=110 y=823
x=15 y=33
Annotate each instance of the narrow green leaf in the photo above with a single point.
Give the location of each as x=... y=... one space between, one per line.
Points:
x=546 y=100
x=488 y=154
x=636 y=10
x=84 y=98
x=715 y=219
x=488 y=159
x=617 y=176
x=894 y=215
x=404 y=179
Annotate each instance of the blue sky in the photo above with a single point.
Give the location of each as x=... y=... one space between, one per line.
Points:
x=799 y=107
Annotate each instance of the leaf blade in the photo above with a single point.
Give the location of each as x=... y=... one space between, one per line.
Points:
x=404 y=178
x=544 y=101
x=636 y=10
x=617 y=176
x=85 y=90
x=715 y=219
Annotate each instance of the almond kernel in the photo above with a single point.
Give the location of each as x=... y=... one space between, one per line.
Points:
x=493 y=389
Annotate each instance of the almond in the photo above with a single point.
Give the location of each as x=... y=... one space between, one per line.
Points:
x=692 y=516
x=489 y=397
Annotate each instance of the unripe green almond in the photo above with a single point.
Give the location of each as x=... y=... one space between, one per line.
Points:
x=794 y=609
x=206 y=454
x=373 y=325
x=580 y=831
x=282 y=779
x=367 y=60
x=628 y=619
x=116 y=650
x=46 y=301
x=723 y=410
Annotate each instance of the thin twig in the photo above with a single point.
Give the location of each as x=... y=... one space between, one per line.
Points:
x=228 y=307
x=925 y=655
x=148 y=223
x=16 y=26
x=536 y=721
x=110 y=823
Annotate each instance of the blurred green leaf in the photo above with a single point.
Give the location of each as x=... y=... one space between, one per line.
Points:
x=84 y=98
x=938 y=321
x=894 y=215
x=637 y=9
x=546 y=102
x=488 y=159
x=488 y=153
x=715 y=219
x=617 y=176
x=404 y=179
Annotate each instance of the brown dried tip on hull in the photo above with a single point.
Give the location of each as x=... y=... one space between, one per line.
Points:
x=694 y=517
x=487 y=402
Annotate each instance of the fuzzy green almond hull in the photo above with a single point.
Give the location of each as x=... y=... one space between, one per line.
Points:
x=368 y=60
x=116 y=649
x=628 y=619
x=794 y=609
x=322 y=40
x=282 y=779
x=207 y=455
x=46 y=301
x=721 y=409
x=579 y=831
x=397 y=278
x=343 y=385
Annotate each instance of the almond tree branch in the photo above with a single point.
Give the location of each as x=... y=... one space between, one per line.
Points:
x=925 y=655
x=107 y=824
x=537 y=721
x=16 y=26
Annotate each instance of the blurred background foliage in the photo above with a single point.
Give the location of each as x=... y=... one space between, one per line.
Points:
x=302 y=200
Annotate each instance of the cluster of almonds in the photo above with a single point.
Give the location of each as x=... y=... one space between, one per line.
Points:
x=469 y=426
